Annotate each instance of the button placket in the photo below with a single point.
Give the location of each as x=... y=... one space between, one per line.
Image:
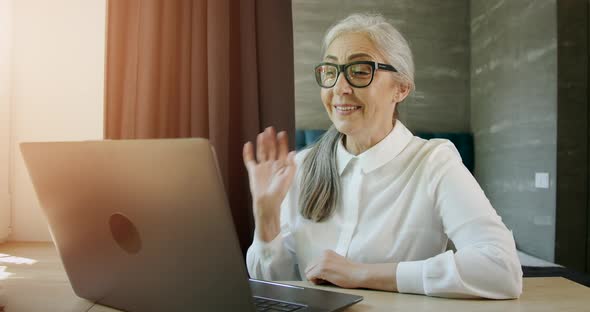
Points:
x=350 y=212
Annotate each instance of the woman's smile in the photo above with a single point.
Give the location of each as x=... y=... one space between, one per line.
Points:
x=347 y=109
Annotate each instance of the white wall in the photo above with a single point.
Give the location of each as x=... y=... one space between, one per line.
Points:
x=5 y=94
x=57 y=89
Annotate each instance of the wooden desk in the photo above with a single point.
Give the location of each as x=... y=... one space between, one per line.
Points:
x=38 y=282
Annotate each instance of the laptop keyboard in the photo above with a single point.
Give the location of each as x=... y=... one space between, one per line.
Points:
x=268 y=305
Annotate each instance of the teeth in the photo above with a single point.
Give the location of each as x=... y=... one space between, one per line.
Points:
x=348 y=108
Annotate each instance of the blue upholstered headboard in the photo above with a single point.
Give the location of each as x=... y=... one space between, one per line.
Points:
x=462 y=140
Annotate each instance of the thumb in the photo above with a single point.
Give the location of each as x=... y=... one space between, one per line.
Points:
x=292 y=165
x=288 y=174
x=291 y=158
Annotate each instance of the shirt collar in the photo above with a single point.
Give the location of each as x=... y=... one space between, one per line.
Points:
x=378 y=155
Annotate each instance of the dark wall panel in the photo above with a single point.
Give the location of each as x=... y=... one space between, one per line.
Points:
x=572 y=134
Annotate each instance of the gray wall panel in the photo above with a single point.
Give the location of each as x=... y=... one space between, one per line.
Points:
x=513 y=114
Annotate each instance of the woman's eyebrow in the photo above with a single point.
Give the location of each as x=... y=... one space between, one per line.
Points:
x=359 y=55
x=330 y=57
x=350 y=57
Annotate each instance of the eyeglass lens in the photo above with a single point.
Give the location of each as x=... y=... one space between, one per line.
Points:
x=358 y=75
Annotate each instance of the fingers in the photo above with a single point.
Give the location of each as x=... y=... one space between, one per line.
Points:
x=333 y=268
x=283 y=145
x=248 y=154
x=271 y=143
x=260 y=148
x=315 y=268
x=310 y=267
x=266 y=145
x=291 y=158
x=318 y=268
x=291 y=166
x=318 y=275
x=319 y=281
x=314 y=274
x=272 y=146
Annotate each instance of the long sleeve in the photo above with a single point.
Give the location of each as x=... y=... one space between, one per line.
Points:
x=274 y=260
x=486 y=263
x=277 y=260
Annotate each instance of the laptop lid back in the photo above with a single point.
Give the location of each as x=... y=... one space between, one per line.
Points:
x=141 y=225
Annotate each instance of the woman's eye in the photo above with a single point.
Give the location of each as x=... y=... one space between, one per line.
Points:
x=329 y=74
x=360 y=71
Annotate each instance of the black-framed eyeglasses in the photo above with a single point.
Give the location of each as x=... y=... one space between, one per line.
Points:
x=358 y=74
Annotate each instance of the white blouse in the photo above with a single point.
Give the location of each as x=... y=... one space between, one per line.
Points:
x=401 y=201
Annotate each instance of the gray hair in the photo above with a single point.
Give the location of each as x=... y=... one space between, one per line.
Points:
x=320 y=181
x=387 y=39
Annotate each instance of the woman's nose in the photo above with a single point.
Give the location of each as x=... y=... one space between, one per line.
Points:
x=342 y=86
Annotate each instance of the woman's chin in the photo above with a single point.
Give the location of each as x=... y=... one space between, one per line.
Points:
x=346 y=128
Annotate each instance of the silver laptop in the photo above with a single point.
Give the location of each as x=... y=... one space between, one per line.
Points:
x=145 y=225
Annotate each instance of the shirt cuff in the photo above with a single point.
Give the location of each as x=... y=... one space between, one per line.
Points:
x=409 y=277
x=268 y=250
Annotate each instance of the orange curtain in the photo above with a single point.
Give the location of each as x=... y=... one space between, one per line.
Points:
x=221 y=69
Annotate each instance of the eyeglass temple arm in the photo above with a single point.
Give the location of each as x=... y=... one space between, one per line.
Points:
x=386 y=67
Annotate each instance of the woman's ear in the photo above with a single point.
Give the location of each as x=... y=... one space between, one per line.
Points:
x=402 y=91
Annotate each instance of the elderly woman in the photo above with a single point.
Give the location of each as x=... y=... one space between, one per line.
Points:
x=370 y=205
